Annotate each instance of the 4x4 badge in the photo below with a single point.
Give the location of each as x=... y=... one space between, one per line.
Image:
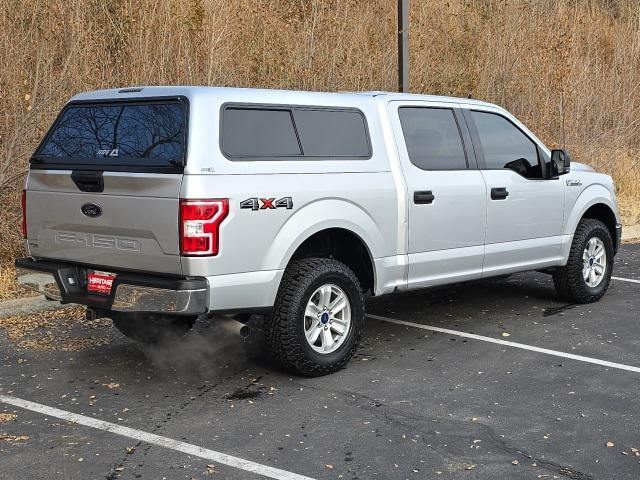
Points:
x=267 y=203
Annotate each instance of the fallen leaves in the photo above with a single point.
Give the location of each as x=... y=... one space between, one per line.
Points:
x=53 y=330
x=7 y=417
x=14 y=438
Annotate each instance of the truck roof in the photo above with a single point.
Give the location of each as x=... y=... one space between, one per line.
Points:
x=264 y=95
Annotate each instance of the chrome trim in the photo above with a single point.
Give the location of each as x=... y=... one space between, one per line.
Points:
x=37 y=281
x=136 y=298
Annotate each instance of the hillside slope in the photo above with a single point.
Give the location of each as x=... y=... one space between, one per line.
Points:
x=569 y=68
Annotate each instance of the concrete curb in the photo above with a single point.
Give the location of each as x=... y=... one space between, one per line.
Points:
x=630 y=232
x=23 y=306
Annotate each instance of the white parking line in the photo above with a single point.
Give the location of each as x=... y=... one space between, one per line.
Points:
x=625 y=279
x=580 y=358
x=154 y=439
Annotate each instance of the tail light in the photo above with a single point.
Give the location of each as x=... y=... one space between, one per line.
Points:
x=200 y=226
x=23 y=226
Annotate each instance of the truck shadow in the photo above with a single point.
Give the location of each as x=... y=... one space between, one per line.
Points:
x=466 y=299
x=211 y=352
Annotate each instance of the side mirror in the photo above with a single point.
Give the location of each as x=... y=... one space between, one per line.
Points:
x=560 y=162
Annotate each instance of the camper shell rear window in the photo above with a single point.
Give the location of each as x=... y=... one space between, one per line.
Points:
x=133 y=135
x=254 y=132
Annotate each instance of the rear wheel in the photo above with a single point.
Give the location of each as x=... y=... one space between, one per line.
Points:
x=586 y=276
x=152 y=328
x=318 y=317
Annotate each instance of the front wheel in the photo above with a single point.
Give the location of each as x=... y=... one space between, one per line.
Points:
x=152 y=328
x=587 y=275
x=318 y=317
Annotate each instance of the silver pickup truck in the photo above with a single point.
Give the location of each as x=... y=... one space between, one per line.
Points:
x=154 y=205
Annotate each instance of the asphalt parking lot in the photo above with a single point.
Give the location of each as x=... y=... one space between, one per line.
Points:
x=413 y=404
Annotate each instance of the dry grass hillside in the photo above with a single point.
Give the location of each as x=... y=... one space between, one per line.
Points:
x=545 y=60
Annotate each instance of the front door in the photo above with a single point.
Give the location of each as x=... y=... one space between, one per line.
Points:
x=525 y=208
x=446 y=193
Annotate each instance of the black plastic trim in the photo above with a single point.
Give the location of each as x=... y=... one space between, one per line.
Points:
x=88 y=181
x=425 y=197
x=105 y=168
x=499 y=193
x=472 y=161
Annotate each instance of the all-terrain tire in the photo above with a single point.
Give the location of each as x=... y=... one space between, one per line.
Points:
x=569 y=280
x=152 y=328
x=285 y=327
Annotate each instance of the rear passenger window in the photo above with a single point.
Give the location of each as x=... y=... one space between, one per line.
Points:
x=326 y=133
x=259 y=133
x=293 y=133
x=506 y=146
x=433 y=139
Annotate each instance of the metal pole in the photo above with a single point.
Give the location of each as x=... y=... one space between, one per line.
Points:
x=403 y=46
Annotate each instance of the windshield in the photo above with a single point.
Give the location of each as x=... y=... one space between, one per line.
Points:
x=148 y=133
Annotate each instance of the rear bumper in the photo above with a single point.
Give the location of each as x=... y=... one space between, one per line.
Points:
x=131 y=292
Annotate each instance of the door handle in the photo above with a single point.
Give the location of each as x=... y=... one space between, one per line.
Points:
x=499 y=193
x=423 y=197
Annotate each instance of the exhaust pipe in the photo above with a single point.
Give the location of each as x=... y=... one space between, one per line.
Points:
x=232 y=325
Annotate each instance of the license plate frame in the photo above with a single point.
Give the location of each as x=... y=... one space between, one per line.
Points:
x=100 y=283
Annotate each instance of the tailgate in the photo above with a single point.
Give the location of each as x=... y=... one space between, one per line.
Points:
x=104 y=185
x=131 y=225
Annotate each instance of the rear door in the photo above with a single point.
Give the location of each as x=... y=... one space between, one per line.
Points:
x=103 y=187
x=446 y=193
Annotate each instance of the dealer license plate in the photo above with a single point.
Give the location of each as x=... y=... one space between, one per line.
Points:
x=100 y=282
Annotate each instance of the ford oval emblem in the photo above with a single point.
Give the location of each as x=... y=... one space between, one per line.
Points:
x=91 y=210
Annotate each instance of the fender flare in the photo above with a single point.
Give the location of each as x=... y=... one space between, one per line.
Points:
x=590 y=196
x=316 y=217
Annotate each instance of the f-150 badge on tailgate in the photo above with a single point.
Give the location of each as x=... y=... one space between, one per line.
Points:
x=267 y=203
